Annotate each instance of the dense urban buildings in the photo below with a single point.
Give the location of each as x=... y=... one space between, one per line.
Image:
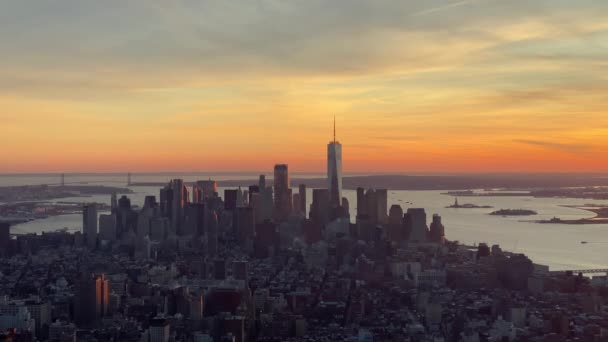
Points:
x=253 y=265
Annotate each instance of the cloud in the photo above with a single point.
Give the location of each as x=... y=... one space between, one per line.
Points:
x=566 y=147
x=444 y=7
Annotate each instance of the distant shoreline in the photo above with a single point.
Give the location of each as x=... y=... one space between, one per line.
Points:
x=518 y=184
x=601 y=216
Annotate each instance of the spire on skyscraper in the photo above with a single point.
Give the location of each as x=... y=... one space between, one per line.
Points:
x=334 y=128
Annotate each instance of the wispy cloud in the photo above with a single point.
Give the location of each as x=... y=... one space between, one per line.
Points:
x=444 y=7
x=567 y=147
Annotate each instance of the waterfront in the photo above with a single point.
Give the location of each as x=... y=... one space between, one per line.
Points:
x=556 y=245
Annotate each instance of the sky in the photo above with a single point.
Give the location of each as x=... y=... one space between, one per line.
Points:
x=415 y=86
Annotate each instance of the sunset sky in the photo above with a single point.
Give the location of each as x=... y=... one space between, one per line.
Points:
x=185 y=85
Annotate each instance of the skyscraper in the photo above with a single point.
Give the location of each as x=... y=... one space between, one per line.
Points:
x=173 y=199
x=89 y=224
x=415 y=225
x=197 y=194
x=282 y=192
x=334 y=170
x=302 y=192
x=91 y=302
x=208 y=188
x=5 y=237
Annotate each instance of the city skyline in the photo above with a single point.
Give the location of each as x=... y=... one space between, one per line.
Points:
x=459 y=86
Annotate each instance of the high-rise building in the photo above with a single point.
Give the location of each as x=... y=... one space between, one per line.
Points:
x=194 y=221
x=212 y=231
x=107 y=227
x=395 y=224
x=282 y=192
x=295 y=201
x=319 y=209
x=437 y=231
x=197 y=194
x=240 y=198
x=113 y=202
x=244 y=224
x=89 y=224
x=382 y=205
x=230 y=199
x=173 y=199
x=208 y=188
x=372 y=204
x=415 y=225
x=302 y=192
x=253 y=189
x=334 y=170
x=91 y=302
x=5 y=237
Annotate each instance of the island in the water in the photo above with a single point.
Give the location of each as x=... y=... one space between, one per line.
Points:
x=514 y=212
x=468 y=206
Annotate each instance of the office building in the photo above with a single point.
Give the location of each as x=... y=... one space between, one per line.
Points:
x=197 y=194
x=107 y=227
x=382 y=205
x=415 y=225
x=319 y=209
x=244 y=225
x=208 y=189
x=212 y=232
x=395 y=232
x=437 y=231
x=302 y=193
x=282 y=192
x=194 y=221
x=5 y=237
x=173 y=199
x=230 y=199
x=91 y=300
x=334 y=170
x=89 y=224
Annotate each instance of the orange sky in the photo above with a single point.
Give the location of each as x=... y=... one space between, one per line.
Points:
x=480 y=85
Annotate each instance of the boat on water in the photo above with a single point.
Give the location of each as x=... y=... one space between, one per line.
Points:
x=584 y=242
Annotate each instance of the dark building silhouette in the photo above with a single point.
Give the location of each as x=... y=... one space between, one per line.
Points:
x=253 y=189
x=282 y=192
x=230 y=199
x=437 y=231
x=89 y=225
x=334 y=170
x=372 y=203
x=302 y=192
x=208 y=189
x=266 y=239
x=415 y=225
x=91 y=300
x=173 y=199
x=319 y=209
x=211 y=231
x=194 y=223
x=244 y=225
x=395 y=229
x=5 y=238
x=197 y=194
